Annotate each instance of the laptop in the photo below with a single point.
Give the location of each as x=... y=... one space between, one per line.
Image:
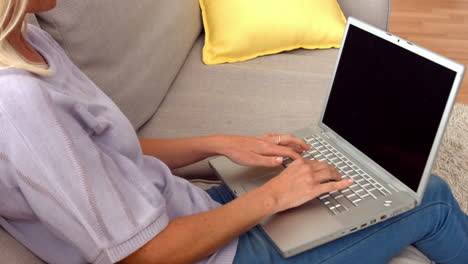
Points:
x=382 y=122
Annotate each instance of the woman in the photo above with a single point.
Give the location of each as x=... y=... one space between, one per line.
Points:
x=78 y=186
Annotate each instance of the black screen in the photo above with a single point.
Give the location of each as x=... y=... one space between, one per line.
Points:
x=388 y=102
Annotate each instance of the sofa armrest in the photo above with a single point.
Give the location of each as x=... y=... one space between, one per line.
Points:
x=374 y=12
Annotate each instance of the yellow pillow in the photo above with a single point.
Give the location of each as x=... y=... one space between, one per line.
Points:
x=238 y=30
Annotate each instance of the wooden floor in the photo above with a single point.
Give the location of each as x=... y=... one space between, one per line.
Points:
x=438 y=25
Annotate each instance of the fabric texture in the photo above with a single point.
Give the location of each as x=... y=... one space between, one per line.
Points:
x=278 y=93
x=75 y=186
x=131 y=49
x=438 y=227
x=283 y=92
x=13 y=252
x=238 y=30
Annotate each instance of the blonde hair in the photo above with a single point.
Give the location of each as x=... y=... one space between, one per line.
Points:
x=9 y=57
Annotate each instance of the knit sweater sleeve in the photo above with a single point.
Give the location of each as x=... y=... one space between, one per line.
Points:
x=69 y=184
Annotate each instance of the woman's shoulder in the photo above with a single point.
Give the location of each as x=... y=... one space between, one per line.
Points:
x=20 y=92
x=14 y=81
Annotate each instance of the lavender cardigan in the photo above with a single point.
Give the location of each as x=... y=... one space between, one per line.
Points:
x=75 y=186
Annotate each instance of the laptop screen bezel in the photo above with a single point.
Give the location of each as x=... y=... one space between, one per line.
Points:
x=454 y=66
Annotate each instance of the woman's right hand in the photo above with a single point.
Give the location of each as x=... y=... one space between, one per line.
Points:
x=297 y=184
x=303 y=181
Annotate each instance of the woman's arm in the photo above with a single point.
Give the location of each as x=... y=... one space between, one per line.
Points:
x=251 y=151
x=192 y=238
x=176 y=153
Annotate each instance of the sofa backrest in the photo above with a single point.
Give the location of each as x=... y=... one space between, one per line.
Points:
x=131 y=49
x=374 y=12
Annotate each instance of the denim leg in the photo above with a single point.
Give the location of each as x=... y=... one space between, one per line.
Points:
x=447 y=241
x=437 y=227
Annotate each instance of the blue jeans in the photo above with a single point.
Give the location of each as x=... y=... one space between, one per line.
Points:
x=437 y=227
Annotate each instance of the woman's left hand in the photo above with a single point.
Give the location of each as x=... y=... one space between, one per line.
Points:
x=267 y=150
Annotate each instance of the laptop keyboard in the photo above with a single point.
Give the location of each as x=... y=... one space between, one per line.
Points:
x=364 y=186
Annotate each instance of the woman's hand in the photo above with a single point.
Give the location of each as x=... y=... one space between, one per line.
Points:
x=303 y=181
x=267 y=150
x=297 y=184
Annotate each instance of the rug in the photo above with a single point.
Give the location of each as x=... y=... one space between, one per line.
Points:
x=452 y=160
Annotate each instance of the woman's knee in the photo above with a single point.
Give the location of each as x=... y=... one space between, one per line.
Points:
x=437 y=190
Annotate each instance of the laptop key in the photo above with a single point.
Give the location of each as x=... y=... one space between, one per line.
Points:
x=319 y=156
x=340 y=208
x=346 y=191
x=340 y=164
x=313 y=152
x=320 y=148
x=357 y=201
x=344 y=202
x=376 y=193
x=344 y=177
x=346 y=169
x=361 y=193
x=357 y=178
x=385 y=191
x=366 y=196
x=361 y=182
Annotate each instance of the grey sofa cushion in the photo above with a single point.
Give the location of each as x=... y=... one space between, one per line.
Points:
x=131 y=49
x=374 y=12
x=13 y=252
x=281 y=93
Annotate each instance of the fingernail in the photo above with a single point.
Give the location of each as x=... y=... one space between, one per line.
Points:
x=279 y=159
x=350 y=180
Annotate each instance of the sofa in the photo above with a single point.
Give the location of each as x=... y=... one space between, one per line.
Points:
x=146 y=55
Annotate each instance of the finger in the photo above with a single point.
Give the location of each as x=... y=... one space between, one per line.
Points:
x=334 y=185
x=276 y=150
x=296 y=148
x=325 y=175
x=289 y=140
x=271 y=134
x=317 y=165
x=254 y=159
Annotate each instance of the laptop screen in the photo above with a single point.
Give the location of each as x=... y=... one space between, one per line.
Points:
x=388 y=102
